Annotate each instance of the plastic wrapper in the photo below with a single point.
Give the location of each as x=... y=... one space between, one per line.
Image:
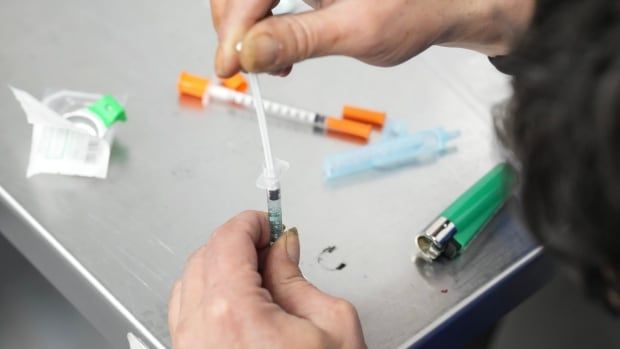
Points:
x=72 y=132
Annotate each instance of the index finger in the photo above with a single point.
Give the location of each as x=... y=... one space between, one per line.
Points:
x=232 y=19
x=234 y=245
x=253 y=10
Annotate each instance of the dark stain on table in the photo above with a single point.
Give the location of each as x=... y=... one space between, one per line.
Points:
x=326 y=260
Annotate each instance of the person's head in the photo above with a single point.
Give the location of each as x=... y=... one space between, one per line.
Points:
x=563 y=127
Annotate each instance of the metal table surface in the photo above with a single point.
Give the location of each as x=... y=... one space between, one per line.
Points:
x=114 y=247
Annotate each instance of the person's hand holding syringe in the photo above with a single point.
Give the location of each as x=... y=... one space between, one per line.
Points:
x=237 y=291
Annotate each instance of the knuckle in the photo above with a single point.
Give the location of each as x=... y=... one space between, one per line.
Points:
x=243 y=226
x=344 y=309
x=373 y=37
x=250 y=218
x=345 y=315
x=376 y=26
x=218 y=319
x=221 y=310
x=304 y=39
x=247 y=214
x=373 y=29
x=217 y=234
x=176 y=287
x=196 y=255
x=183 y=337
x=243 y=222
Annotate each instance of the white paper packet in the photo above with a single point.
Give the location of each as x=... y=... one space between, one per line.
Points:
x=80 y=147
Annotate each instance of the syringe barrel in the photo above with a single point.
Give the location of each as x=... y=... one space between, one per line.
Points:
x=274 y=213
x=319 y=122
x=272 y=108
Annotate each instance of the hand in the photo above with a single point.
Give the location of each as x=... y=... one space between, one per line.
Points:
x=382 y=33
x=223 y=301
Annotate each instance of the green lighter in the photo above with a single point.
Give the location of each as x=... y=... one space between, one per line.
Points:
x=458 y=224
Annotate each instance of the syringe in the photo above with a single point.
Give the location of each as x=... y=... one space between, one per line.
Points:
x=200 y=87
x=270 y=178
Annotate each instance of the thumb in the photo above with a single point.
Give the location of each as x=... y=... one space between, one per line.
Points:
x=283 y=278
x=293 y=293
x=280 y=41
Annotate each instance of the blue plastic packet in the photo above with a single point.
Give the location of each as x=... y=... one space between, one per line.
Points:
x=419 y=147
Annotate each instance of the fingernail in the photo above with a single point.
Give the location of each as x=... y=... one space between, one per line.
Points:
x=261 y=53
x=282 y=73
x=291 y=237
x=286 y=71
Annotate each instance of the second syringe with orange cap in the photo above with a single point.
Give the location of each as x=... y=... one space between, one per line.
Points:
x=232 y=91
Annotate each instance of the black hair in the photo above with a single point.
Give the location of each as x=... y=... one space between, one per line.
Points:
x=563 y=127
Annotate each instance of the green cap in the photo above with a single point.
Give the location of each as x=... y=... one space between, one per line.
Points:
x=109 y=110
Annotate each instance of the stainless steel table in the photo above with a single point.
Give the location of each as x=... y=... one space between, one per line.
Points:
x=115 y=246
